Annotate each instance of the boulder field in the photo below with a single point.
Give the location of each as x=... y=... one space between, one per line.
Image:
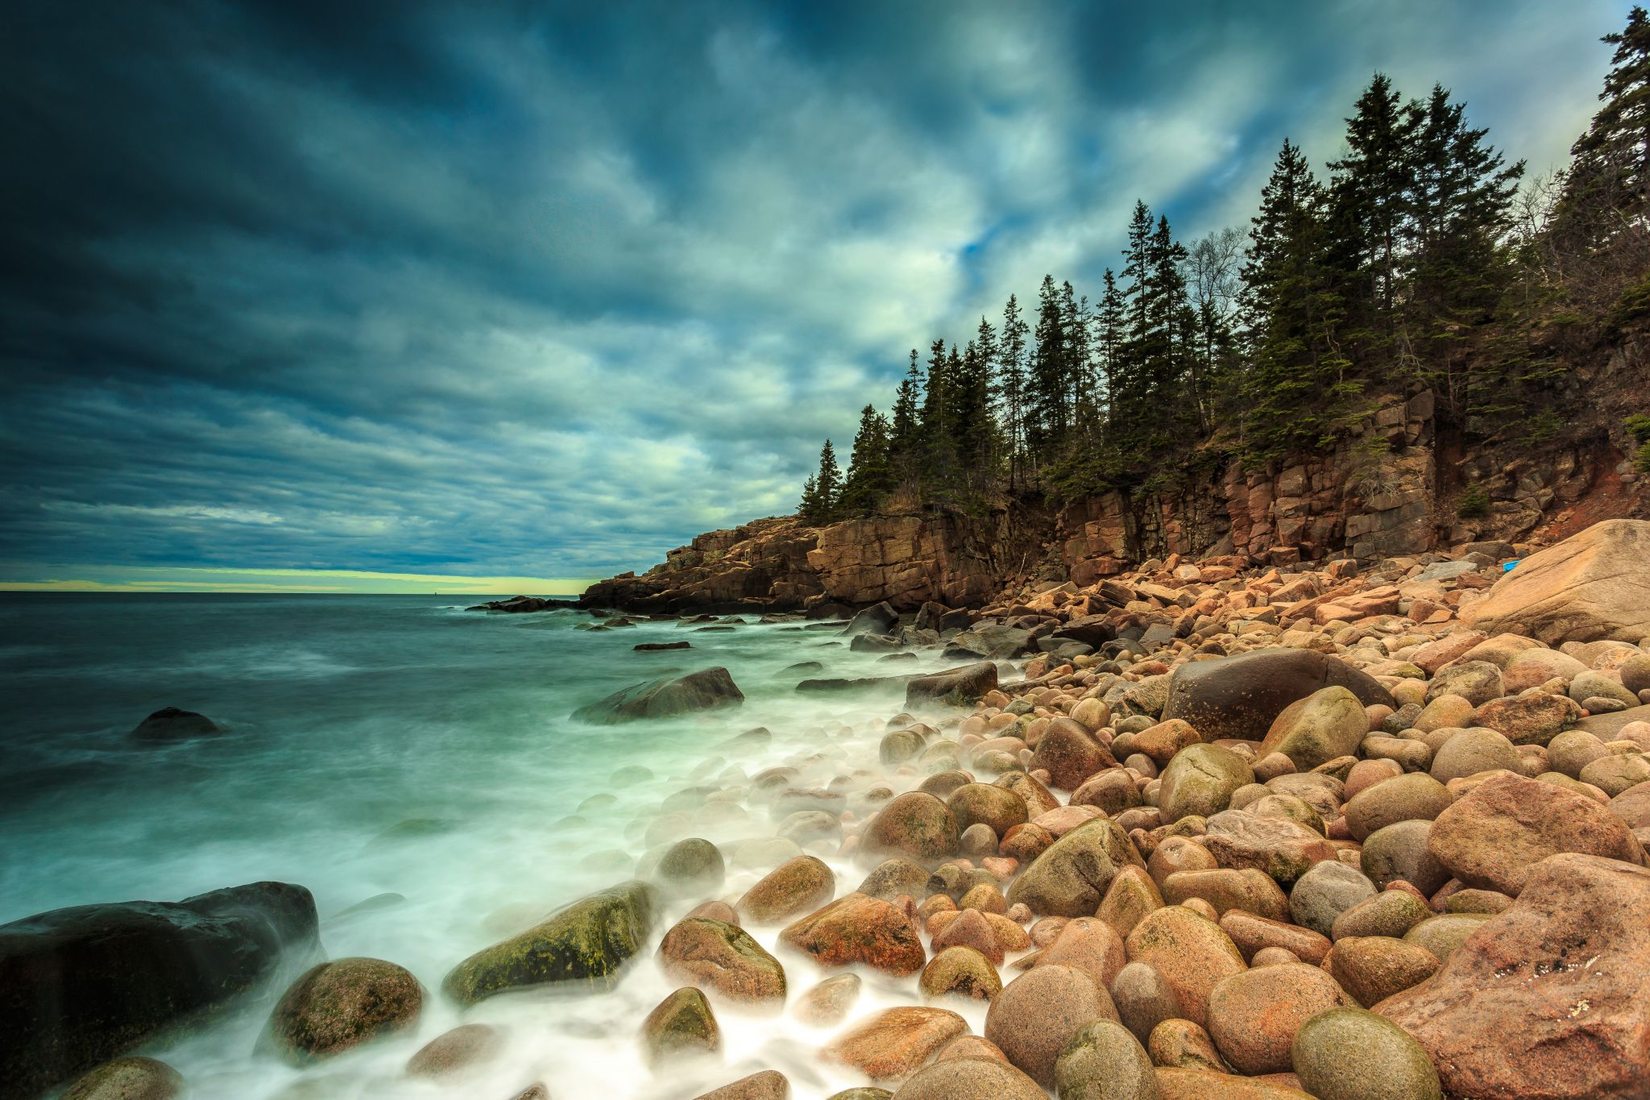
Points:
x=1201 y=831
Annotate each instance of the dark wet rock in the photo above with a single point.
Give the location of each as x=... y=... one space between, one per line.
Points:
x=133 y=1078
x=995 y=641
x=955 y=686
x=341 y=1004
x=587 y=941
x=172 y=724
x=877 y=619
x=659 y=647
x=526 y=604
x=835 y=684
x=1241 y=696
x=707 y=689
x=80 y=985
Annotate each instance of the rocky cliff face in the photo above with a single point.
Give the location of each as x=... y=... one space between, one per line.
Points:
x=1394 y=488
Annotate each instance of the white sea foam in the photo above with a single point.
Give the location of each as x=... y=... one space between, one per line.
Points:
x=443 y=767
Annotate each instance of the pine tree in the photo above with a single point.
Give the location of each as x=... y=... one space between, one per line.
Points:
x=1011 y=382
x=1371 y=191
x=937 y=473
x=1130 y=384
x=1298 y=390
x=1046 y=424
x=1109 y=336
x=1460 y=204
x=870 y=474
x=905 y=434
x=827 y=486
x=808 y=510
x=1612 y=159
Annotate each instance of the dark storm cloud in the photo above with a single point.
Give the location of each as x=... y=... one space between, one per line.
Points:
x=545 y=289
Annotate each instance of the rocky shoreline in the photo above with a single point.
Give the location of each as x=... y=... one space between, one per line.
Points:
x=1197 y=830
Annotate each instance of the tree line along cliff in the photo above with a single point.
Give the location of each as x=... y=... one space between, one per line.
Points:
x=1408 y=350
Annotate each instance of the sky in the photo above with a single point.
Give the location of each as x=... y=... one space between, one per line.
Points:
x=342 y=296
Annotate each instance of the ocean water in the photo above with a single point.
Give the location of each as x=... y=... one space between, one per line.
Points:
x=402 y=746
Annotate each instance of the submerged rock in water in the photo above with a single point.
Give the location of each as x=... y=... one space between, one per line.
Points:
x=341 y=1004
x=957 y=686
x=128 y=1079
x=453 y=1052
x=681 y=1025
x=706 y=689
x=587 y=941
x=79 y=985
x=172 y=724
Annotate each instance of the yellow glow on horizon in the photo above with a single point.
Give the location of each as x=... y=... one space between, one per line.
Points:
x=336 y=581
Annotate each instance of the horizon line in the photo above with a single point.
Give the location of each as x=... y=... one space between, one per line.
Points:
x=157 y=579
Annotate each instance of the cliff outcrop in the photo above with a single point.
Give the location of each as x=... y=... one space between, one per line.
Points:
x=1403 y=484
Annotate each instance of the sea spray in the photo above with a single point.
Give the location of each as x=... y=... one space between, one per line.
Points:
x=416 y=766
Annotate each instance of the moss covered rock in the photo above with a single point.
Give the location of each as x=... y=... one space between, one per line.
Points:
x=587 y=941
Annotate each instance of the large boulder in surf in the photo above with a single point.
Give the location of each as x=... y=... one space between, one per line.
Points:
x=172 y=724
x=80 y=985
x=587 y=941
x=877 y=619
x=1242 y=696
x=706 y=689
x=1589 y=587
x=339 y=1005
x=960 y=686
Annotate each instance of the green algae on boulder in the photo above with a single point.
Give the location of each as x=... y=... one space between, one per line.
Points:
x=587 y=941
x=1350 y=1054
x=1200 y=780
x=1071 y=877
x=681 y=1025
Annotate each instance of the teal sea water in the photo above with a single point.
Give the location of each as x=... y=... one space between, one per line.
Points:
x=385 y=745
